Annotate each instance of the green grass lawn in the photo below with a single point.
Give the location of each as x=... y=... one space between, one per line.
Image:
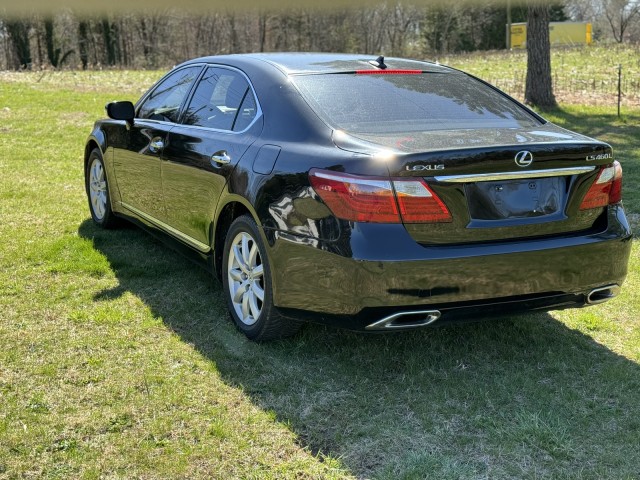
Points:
x=586 y=75
x=118 y=360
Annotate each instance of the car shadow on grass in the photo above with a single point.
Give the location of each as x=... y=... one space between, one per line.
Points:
x=513 y=397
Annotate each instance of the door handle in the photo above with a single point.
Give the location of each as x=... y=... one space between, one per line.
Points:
x=221 y=157
x=156 y=144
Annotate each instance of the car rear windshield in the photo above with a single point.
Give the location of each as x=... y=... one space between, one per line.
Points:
x=390 y=103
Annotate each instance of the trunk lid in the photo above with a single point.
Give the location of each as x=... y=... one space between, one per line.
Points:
x=498 y=184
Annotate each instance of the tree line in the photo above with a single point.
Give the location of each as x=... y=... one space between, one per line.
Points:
x=163 y=38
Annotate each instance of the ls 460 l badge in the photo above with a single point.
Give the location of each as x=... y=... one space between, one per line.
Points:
x=602 y=156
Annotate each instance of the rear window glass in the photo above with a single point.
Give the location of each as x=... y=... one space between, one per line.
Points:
x=408 y=103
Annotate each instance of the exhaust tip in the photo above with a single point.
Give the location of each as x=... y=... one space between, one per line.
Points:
x=406 y=320
x=602 y=294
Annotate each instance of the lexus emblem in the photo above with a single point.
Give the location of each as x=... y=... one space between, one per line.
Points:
x=524 y=158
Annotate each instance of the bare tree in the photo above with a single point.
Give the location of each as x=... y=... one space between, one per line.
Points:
x=400 y=21
x=538 y=86
x=582 y=10
x=54 y=51
x=150 y=28
x=620 y=15
x=18 y=34
x=440 y=23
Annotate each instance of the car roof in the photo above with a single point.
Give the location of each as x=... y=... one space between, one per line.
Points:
x=300 y=63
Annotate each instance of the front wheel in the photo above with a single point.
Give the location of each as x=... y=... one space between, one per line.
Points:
x=98 y=191
x=246 y=279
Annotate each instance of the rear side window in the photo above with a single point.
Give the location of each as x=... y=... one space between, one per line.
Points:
x=165 y=100
x=222 y=100
x=393 y=103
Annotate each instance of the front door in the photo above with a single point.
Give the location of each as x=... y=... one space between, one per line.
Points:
x=137 y=157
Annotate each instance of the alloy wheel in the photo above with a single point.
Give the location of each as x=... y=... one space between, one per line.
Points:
x=97 y=189
x=245 y=275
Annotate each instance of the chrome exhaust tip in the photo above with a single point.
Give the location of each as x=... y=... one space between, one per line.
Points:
x=406 y=320
x=602 y=294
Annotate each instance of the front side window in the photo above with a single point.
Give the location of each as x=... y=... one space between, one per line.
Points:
x=165 y=100
x=397 y=103
x=222 y=100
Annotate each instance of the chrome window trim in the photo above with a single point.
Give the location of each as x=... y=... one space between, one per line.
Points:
x=190 y=96
x=218 y=130
x=153 y=87
x=488 y=177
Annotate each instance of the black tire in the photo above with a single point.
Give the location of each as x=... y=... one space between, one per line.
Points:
x=100 y=204
x=246 y=283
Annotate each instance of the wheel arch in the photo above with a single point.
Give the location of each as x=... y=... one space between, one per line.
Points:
x=95 y=140
x=231 y=209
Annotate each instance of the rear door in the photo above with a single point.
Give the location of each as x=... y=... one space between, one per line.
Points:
x=138 y=151
x=220 y=122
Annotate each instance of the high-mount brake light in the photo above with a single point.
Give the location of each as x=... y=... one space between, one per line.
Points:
x=378 y=199
x=388 y=72
x=606 y=190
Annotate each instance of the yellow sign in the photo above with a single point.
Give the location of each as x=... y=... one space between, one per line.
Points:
x=560 y=33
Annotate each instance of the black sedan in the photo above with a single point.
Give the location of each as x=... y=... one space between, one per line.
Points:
x=369 y=193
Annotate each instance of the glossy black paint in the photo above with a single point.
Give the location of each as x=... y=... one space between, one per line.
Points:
x=351 y=273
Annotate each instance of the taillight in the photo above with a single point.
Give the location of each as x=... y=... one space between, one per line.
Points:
x=606 y=190
x=361 y=199
x=372 y=199
x=418 y=203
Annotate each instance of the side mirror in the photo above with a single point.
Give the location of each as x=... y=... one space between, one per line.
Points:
x=121 y=111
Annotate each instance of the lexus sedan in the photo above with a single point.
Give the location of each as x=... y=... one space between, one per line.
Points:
x=368 y=193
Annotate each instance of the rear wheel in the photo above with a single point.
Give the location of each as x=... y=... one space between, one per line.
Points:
x=98 y=191
x=246 y=279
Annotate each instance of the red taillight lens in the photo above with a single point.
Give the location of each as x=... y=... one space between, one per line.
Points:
x=615 y=196
x=372 y=199
x=418 y=203
x=606 y=190
x=360 y=199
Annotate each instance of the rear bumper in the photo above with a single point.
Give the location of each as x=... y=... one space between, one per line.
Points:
x=373 y=318
x=378 y=269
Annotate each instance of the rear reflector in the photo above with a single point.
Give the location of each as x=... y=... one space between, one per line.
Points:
x=372 y=199
x=388 y=72
x=606 y=190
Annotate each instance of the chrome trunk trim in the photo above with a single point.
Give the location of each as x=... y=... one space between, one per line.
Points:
x=489 y=177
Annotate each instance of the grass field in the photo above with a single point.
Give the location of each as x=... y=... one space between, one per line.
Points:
x=117 y=358
x=587 y=75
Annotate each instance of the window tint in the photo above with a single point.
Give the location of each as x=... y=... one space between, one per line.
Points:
x=164 y=102
x=246 y=113
x=222 y=100
x=404 y=103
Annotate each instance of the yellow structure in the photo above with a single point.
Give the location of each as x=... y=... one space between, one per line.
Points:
x=560 y=33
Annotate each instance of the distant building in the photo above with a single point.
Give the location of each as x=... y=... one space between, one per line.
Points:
x=560 y=33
